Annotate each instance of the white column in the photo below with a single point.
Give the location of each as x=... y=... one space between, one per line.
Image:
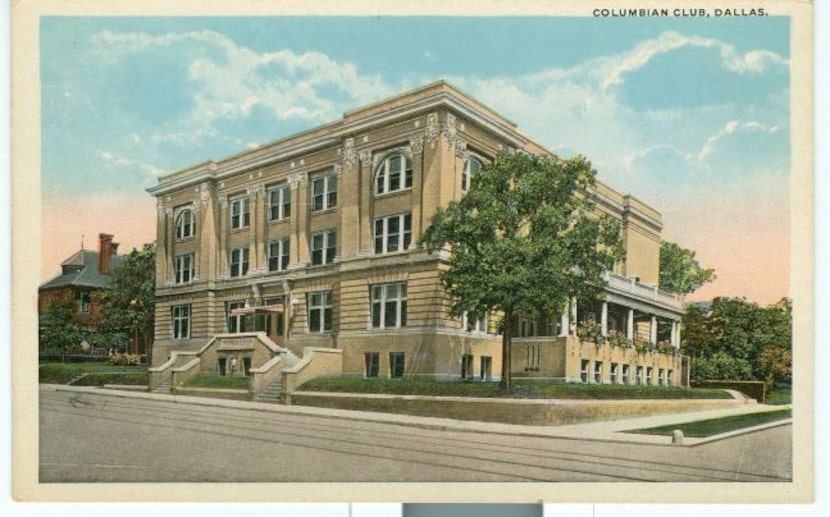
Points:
x=565 y=323
x=629 y=331
x=677 y=335
x=653 y=329
x=604 y=319
x=574 y=320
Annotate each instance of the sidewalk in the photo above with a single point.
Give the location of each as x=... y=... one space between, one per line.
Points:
x=606 y=431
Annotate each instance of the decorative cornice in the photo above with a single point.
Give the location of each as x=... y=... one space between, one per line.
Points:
x=365 y=156
x=432 y=130
x=461 y=148
x=450 y=131
x=416 y=145
x=257 y=188
x=349 y=155
x=300 y=178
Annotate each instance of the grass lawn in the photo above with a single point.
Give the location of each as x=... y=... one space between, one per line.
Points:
x=714 y=426
x=214 y=380
x=521 y=389
x=780 y=396
x=99 y=379
x=61 y=373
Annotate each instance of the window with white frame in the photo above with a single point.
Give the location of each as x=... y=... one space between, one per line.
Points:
x=670 y=379
x=240 y=213
x=583 y=370
x=372 y=360
x=638 y=377
x=661 y=373
x=649 y=372
x=236 y=322
x=278 y=255
x=397 y=364
x=389 y=305
x=615 y=373
x=239 y=261
x=319 y=311
x=471 y=167
x=181 y=321
x=185 y=224
x=85 y=303
x=183 y=268
x=279 y=202
x=392 y=174
x=477 y=326
x=598 y=371
x=393 y=233
x=323 y=247
x=323 y=192
x=625 y=370
x=467 y=366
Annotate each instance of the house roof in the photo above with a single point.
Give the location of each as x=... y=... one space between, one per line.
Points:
x=81 y=270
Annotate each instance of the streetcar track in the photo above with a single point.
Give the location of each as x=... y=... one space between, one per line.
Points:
x=655 y=467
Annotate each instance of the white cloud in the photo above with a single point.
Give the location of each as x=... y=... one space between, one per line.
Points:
x=613 y=69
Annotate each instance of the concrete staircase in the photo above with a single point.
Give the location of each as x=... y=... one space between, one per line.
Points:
x=271 y=393
x=163 y=387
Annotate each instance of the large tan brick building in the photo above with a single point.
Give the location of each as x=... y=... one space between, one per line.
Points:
x=312 y=241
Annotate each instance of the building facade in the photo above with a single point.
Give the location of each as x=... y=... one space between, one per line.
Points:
x=312 y=241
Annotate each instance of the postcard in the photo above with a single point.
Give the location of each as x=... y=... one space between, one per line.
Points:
x=518 y=252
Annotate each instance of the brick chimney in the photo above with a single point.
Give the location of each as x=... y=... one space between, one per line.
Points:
x=106 y=249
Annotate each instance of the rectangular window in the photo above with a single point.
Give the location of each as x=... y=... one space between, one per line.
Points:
x=583 y=371
x=598 y=371
x=181 y=321
x=239 y=261
x=236 y=323
x=323 y=193
x=625 y=370
x=478 y=326
x=638 y=379
x=85 y=303
x=183 y=268
x=278 y=253
x=614 y=372
x=393 y=233
x=319 y=311
x=486 y=372
x=467 y=366
x=323 y=247
x=671 y=377
x=649 y=371
x=279 y=203
x=240 y=213
x=389 y=305
x=661 y=377
x=372 y=364
x=396 y=365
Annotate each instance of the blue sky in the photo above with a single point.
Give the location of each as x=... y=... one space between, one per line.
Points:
x=690 y=115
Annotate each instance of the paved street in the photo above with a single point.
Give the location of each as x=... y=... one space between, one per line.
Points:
x=88 y=436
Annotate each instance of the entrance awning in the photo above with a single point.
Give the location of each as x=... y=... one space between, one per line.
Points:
x=263 y=309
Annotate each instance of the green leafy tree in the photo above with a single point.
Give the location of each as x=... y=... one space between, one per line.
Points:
x=524 y=239
x=129 y=304
x=680 y=272
x=60 y=332
x=733 y=338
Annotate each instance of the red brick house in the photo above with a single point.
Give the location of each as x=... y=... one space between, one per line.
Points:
x=82 y=274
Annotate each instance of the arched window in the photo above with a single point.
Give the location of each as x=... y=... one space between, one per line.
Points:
x=392 y=174
x=471 y=167
x=185 y=224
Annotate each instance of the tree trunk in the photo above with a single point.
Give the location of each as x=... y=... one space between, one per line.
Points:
x=506 y=383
